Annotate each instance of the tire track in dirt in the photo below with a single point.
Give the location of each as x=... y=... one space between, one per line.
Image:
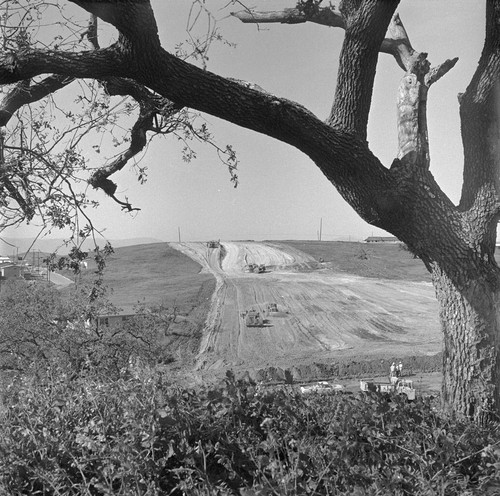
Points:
x=208 y=258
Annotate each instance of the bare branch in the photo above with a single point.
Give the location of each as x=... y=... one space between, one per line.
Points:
x=151 y=105
x=326 y=16
x=436 y=73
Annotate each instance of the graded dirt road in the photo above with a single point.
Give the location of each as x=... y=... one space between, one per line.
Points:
x=322 y=315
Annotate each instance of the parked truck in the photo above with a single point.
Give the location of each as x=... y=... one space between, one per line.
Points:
x=401 y=386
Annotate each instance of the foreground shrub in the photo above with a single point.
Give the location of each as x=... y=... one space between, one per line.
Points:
x=141 y=436
x=40 y=327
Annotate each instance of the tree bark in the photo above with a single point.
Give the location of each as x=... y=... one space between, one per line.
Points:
x=469 y=312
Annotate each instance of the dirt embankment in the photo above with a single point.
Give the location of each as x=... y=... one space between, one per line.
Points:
x=355 y=368
x=327 y=325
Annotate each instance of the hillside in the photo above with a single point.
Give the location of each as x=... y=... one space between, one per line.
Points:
x=385 y=261
x=154 y=274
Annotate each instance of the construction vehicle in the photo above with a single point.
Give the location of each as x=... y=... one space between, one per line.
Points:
x=255 y=268
x=401 y=386
x=253 y=318
x=213 y=244
x=272 y=308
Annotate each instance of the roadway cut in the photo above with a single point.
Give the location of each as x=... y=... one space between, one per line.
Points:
x=322 y=315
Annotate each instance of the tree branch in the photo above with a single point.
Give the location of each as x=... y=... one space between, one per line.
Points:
x=480 y=119
x=326 y=16
x=436 y=73
x=134 y=19
x=367 y=24
x=396 y=42
x=25 y=93
x=150 y=106
x=96 y=64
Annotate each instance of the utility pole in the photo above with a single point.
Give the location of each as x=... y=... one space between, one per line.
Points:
x=320 y=227
x=179 y=231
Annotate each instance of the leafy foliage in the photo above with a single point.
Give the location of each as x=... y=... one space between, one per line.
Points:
x=143 y=436
x=55 y=142
x=42 y=330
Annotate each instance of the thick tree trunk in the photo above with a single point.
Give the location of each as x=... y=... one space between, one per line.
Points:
x=469 y=312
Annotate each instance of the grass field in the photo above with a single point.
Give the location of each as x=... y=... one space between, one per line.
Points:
x=155 y=274
x=385 y=261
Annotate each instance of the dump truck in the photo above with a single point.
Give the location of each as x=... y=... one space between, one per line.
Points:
x=401 y=386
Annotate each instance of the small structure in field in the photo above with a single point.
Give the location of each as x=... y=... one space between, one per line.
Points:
x=382 y=239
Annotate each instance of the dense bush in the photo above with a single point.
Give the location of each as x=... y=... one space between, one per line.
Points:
x=41 y=327
x=140 y=435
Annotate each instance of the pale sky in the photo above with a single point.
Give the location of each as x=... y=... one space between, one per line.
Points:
x=282 y=195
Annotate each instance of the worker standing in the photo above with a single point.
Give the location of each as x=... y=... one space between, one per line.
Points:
x=400 y=369
x=392 y=376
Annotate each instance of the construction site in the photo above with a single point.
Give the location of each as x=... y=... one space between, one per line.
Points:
x=295 y=313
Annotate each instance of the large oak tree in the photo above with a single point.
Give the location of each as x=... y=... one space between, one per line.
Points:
x=455 y=242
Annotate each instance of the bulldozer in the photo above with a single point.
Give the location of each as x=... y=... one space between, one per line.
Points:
x=253 y=318
x=213 y=244
x=256 y=269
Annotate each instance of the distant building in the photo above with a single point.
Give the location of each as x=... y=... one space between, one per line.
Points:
x=10 y=270
x=113 y=319
x=382 y=239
